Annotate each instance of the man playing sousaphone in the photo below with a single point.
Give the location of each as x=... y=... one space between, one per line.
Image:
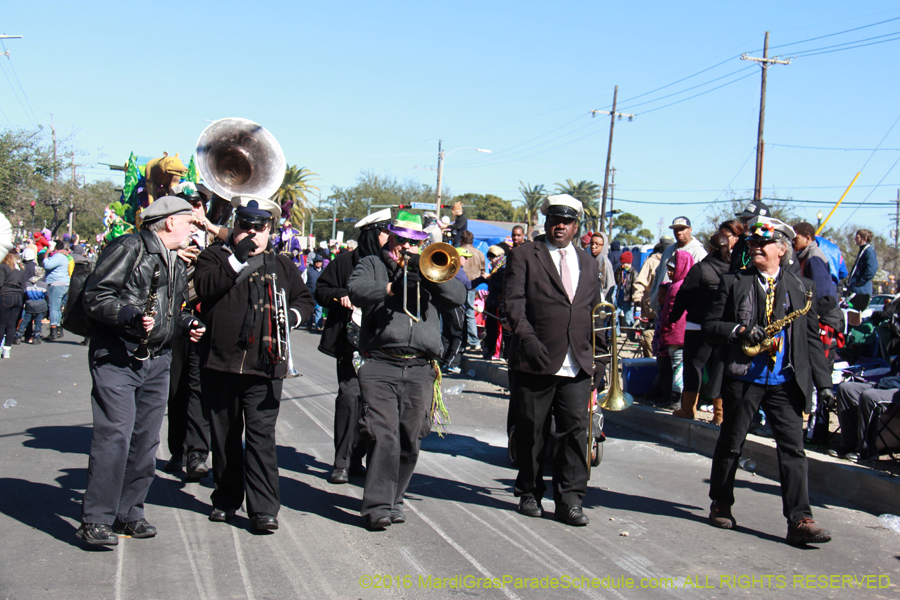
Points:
x=242 y=366
x=772 y=370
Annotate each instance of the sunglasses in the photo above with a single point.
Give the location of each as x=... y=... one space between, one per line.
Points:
x=402 y=240
x=247 y=225
x=759 y=242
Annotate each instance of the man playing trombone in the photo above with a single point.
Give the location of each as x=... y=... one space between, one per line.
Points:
x=400 y=338
x=549 y=291
x=244 y=358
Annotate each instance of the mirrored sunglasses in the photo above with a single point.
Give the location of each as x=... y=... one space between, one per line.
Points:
x=247 y=224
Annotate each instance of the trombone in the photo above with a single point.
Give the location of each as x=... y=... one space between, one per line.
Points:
x=613 y=398
x=282 y=331
x=438 y=262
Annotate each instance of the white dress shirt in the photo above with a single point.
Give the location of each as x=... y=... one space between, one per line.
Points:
x=569 y=367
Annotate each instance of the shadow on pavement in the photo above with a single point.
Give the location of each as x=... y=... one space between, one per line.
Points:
x=72 y=439
x=462 y=492
x=466 y=445
x=46 y=507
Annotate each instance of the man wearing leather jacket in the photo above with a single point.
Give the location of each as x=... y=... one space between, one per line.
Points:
x=128 y=397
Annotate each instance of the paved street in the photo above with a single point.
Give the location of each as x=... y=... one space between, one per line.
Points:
x=647 y=504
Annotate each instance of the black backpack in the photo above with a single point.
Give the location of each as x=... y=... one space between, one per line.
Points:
x=76 y=320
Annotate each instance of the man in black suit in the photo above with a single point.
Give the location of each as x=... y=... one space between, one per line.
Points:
x=779 y=379
x=549 y=291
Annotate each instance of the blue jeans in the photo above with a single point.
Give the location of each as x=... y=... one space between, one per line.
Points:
x=28 y=318
x=56 y=298
x=471 y=326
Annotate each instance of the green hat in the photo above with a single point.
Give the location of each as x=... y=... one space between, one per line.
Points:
x=408 y=225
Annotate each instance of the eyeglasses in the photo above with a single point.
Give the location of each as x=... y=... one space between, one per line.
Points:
x=247 y=225
x=402 y=240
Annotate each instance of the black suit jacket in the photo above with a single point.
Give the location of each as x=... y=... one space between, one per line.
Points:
x=740 y=300
x=537 y=306
x=330 y=287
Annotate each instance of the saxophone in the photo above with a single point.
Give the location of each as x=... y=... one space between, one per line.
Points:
x=770 y=343
x=143 y=351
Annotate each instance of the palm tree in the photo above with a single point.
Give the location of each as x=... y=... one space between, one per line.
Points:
x=587 y=192
x=591 y=217
x=534 y=197
x=292 y=194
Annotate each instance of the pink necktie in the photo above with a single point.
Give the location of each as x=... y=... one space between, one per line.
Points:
x=565 y=275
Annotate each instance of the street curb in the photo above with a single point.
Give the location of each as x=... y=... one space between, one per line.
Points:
x=866 y=489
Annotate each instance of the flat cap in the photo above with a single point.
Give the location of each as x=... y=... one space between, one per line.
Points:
x=165 y=207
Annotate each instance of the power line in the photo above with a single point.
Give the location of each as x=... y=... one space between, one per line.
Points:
x=841 y=149
x=802 y=53
x=697 y=95
x=633 y=106
x=16 y=75
x=821 y=37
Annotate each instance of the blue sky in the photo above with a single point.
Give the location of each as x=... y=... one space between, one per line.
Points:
x=353 y=86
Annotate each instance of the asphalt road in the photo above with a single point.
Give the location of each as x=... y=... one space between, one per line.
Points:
x=647 y=503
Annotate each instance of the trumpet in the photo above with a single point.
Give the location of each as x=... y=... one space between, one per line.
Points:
x=439 y=262
x=282 y=330
x=613 y=398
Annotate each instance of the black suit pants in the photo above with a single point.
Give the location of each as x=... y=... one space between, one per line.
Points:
x=396 y=403
x=188 y=426
x=783 y=405
x=347 y=407
x=453 y=329
x=243 y=405
x=566 y=398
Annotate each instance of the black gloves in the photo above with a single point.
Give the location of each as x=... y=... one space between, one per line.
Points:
x=535 y=353
x=412 y=279
x=243 y=249
x=412 y=263
x=826 y=397
x=752 y=336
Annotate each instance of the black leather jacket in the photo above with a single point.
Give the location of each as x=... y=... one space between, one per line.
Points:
x=117 y=289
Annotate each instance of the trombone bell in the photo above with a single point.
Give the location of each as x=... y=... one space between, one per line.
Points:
x=613 y=398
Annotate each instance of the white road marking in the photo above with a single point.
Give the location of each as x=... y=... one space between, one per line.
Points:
x=242 y=565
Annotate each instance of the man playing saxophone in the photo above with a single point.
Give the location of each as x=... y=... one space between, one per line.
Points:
x=779 y=378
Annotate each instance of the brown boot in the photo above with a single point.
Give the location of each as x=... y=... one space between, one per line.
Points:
x=688 y=408
x=718 y=415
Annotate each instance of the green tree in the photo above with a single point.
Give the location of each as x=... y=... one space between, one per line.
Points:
x=27 y=170
x=294 y=189
x=533 y=196
x=487 y=207
x=357 y=201
x=630 y=229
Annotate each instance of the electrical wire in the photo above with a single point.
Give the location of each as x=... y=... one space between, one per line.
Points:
x=633 y=106
x=697 y=95
x=16 y=75
x=821 y=37
x=814 y=51
x=850 y=48
x=16 y=94
x=836 y=149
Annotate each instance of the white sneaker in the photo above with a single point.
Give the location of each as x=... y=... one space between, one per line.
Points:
x=4 y=353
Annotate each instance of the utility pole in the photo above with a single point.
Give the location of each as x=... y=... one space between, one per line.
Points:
x=72 y=197
x=333 y=218
x=612 y=123
x=440 y=177
x=897 y=224
x=765 y=62
x=54 y=197
x=612 y=197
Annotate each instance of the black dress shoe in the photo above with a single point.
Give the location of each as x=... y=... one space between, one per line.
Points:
x=398 y=516
x=378 y=523
x=264 y=522
x=137 y=529
x=339 y=476
x=196 y=467
x=220 y=515
x=97 y=534
x=174 y=465
x=530 y=507
x=571 y=515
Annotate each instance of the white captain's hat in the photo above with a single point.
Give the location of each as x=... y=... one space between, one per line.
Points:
x=380 y=220
x=562 y=205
